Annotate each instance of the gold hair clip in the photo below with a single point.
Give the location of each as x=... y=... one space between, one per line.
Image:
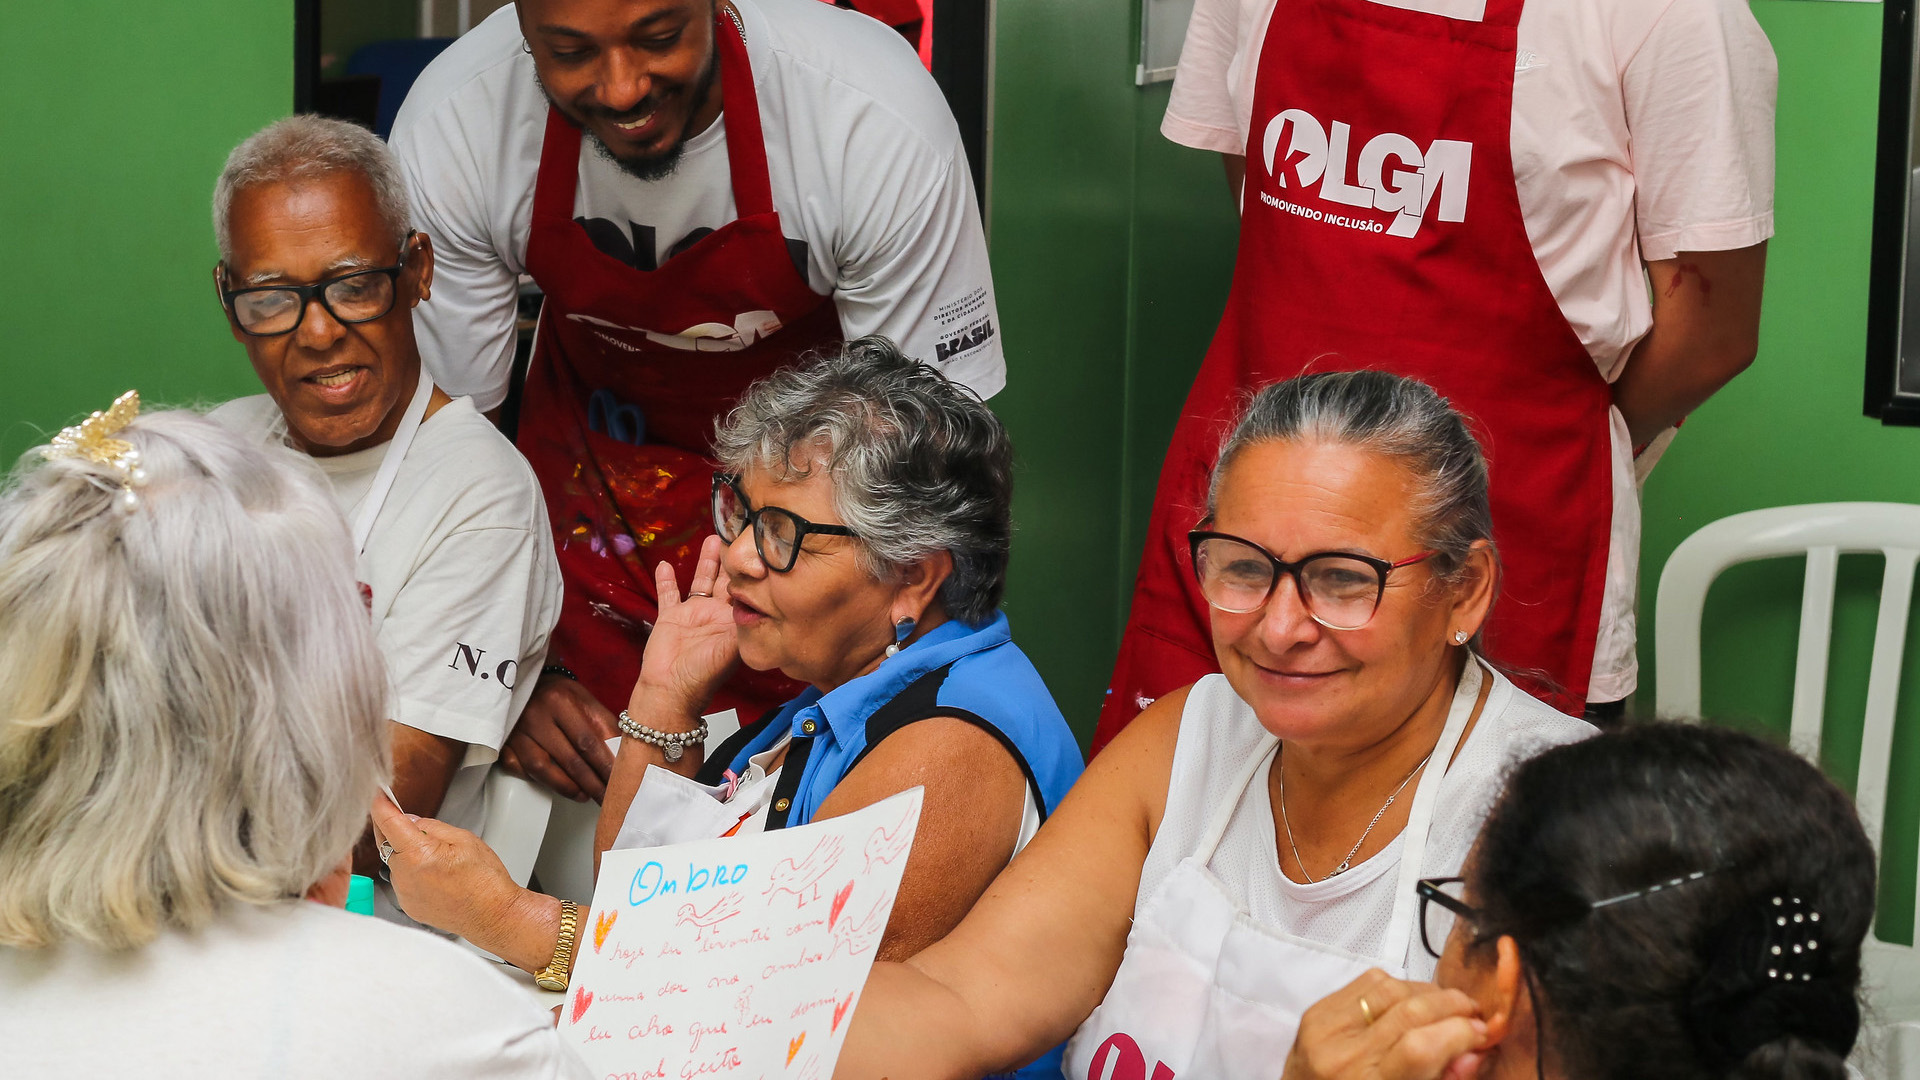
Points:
x=93 y=440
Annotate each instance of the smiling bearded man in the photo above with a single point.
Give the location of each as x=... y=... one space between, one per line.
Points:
x=319 y=275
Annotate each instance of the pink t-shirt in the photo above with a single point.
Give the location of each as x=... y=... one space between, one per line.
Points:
x=1641 y=129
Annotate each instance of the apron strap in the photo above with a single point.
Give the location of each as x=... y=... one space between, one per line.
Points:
x=390 y=461
x=1393 y=951
x=740 y=105
x=1223 y=815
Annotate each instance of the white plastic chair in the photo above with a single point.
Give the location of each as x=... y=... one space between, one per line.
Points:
x=1821 y=532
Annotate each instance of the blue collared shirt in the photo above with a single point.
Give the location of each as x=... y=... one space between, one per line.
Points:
x=974 y=673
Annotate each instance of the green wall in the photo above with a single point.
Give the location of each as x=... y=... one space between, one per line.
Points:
x=1112 y=249
x=106 y=245
x=1790 y=430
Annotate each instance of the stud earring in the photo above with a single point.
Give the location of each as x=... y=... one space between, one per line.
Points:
x=902 y=630
x=1459 y=637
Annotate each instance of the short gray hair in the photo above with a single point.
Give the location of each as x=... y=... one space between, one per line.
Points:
x=1398 y=417
x=919 y=464
x=304 y=146
x=191 y=698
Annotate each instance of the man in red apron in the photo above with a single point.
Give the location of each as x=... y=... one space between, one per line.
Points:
x=1445 y=189
x=705 y=192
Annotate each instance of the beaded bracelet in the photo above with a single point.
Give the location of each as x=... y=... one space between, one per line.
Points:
x=672 y=744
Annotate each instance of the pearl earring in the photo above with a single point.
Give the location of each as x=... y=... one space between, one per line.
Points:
x=902 y=630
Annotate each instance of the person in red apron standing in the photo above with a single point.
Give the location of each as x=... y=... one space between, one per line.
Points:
x=1446 y=189
x=704 y=192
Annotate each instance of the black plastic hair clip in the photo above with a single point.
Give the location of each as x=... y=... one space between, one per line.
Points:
x=1792 y=940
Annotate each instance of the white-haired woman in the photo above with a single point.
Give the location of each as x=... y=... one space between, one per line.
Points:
x=191 y=710
x=1251 y=842
x=866 y=511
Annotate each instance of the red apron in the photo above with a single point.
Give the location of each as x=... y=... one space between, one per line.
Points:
x=630 y=369
x=1381 y=228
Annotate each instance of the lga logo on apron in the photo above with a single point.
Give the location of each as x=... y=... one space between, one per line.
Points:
x=1393 y=174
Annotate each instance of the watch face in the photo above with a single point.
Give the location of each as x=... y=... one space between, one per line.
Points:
x=548 y=982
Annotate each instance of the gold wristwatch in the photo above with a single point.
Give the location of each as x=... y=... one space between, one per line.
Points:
x=559 y=969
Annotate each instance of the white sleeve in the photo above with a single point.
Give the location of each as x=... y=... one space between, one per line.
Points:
x=1699 y=95
x=914 y=266
x=466 y=326
x=465 y=637
x=1201 y=110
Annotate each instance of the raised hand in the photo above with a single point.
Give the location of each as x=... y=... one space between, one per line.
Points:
x=693 y=646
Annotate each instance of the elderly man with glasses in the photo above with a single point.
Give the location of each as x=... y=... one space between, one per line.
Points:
x=318 y=276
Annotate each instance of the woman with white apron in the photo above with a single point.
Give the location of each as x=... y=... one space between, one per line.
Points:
x=1252 y=843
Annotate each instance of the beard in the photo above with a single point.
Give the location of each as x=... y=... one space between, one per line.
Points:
x=647 y=167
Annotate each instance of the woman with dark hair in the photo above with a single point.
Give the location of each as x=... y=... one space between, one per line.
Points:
x=1666 y=903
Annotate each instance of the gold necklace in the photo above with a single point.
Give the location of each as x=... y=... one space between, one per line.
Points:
x=1346 y=863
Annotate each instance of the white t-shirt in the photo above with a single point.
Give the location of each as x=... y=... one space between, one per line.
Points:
x=296 y=991
x=1220 y=736
x=864 y=156
x=464 y=581
x=1641 y=129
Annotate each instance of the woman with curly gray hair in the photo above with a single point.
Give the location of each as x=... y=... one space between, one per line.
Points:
x=191 y=728
x=863 y=514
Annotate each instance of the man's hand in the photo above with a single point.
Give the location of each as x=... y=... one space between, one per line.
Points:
x=561 y=740
x=1417 y=1032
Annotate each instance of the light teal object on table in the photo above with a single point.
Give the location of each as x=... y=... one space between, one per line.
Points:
x=360 y=895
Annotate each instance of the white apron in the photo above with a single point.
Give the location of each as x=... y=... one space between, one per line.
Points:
x=1204 y=991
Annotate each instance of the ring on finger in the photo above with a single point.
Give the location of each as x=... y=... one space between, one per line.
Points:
x=691 y=595
x=1366 y=1011
x=386 y=851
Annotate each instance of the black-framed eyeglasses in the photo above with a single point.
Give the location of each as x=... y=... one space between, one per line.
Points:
x=777 y=531
x=357 y=297
x=1441 y=902
x=1340 y=589
x=1448 y=894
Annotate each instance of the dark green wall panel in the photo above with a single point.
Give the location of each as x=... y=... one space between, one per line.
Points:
x=1111 y=250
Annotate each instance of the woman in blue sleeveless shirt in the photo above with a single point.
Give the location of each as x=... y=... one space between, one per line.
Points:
x=864 y=516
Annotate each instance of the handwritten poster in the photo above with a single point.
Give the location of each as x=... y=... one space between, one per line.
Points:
x=737 y=957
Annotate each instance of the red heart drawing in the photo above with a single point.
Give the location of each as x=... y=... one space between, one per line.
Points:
x=840 y=1011
x=602 y=923
x=582 y=997
x=839 y=901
